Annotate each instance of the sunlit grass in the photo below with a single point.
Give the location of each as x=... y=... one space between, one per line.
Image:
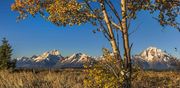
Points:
x=74 y=79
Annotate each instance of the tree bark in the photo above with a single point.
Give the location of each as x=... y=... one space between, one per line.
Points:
x=110 y=31
x=127 y=56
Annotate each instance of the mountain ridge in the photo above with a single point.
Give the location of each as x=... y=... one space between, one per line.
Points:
x=150 y=58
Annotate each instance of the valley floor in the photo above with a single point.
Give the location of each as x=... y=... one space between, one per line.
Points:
x=74 y=79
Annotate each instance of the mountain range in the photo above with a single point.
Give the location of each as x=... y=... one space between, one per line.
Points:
x=150 y=58
x=53 y=59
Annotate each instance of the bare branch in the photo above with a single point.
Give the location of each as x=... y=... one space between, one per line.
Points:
x=135 y=30
x=131 y=46
x=109 y=3
x=106 y=36
x=114 y=72
x=129 y=23
x=117 y=39
x=117 y=26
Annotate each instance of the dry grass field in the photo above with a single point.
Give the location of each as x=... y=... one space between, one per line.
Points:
x=74 y=79
x=151 y=79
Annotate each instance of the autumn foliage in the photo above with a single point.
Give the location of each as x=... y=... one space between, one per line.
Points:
x=59 y=12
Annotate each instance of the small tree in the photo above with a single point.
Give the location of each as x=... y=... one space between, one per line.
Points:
x=5 y=54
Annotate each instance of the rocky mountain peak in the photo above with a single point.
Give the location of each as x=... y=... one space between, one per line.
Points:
x=153 y=54
x=53 y=52
x=46 y=55
x=154 y=58
x=77 y=57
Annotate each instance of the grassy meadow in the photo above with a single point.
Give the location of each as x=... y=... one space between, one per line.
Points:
x=74 y=79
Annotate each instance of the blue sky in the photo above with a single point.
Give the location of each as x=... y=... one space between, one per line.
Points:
x=35 y=35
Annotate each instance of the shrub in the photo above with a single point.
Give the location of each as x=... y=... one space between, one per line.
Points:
x=106 y=73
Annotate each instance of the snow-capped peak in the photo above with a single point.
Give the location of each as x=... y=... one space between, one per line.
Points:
x=154 y=58
x=154 y=54
x=77 y=57
x=83 y=58
x=46 y=55
x=23 y=58
x=53 y=52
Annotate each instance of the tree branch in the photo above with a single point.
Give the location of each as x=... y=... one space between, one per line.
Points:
x=114 y=72
x=134 y=30
x=106 y=33
x=109 y=3
x=117 y=26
